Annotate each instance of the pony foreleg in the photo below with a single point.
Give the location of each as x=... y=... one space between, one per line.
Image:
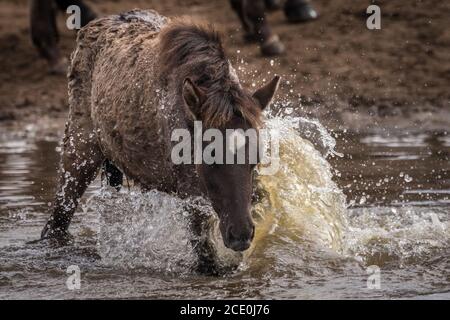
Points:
x=206 y=262
x=114 y=177
x=206 y=255
x=80 y=161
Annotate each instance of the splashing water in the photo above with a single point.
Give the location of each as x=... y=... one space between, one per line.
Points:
x=302 y=193
x=401 y=236
x=147 y=230
x=152 y=229
x=307 y=244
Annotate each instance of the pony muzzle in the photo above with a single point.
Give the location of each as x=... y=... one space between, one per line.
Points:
x=239 y=238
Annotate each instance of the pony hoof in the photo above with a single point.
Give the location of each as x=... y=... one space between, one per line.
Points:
x=299 y=12
x=56 y=235
x=272 y=47
x=60 y=238
x=207 y=270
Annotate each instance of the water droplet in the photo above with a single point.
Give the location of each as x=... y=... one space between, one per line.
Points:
x=408 y=178
x=362 y=200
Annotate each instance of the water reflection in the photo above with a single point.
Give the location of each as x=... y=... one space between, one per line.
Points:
x=388 y=169
x=398 y=188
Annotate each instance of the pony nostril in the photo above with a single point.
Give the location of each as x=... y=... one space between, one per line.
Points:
x=244 y=236
x=240 y=241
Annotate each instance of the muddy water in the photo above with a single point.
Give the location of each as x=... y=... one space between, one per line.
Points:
x=380 y=202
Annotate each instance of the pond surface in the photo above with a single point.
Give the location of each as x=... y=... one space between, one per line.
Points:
x=398 y=196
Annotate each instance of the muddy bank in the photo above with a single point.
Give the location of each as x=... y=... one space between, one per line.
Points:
x=335 y=69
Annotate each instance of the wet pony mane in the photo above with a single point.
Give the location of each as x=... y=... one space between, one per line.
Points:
x=195 y=50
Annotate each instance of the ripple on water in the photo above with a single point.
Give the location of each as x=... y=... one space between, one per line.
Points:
x=308 y=243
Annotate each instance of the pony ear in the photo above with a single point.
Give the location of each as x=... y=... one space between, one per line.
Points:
x=265 y=94
x=193 y=98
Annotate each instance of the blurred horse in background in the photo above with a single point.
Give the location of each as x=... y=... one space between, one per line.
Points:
x=252 y=14
x=44 y=32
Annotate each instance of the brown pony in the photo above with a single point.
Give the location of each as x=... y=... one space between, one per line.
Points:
x=133 y=79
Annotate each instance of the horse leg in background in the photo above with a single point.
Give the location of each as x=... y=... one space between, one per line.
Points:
x=87 y=14
x=80 y=161
x=299 y=11
x=238 y=7
x=254 y=21
x=114 y=177
x=273 y=5
x=44 y=34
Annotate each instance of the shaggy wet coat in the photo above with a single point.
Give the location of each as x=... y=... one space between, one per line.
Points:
x=133 y=79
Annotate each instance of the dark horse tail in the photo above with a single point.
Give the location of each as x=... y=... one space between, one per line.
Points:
x=113 y=176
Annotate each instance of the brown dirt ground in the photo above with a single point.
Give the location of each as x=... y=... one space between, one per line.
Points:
x=335 y=68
